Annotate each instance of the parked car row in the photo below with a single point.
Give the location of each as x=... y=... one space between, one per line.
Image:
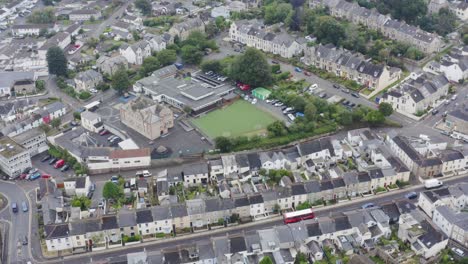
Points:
x=251 y=99
x=24 y=207
x=216 y=76
x=57 y=163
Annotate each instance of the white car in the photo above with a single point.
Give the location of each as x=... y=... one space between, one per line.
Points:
x=93 y=90
x=254 y=101
x=458 y=251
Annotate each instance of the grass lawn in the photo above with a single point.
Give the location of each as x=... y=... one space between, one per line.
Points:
x=239 y=119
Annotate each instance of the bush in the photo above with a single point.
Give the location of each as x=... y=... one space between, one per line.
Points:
x=83 y=95
x=304 y=205
x=134 y=238
x=160 y=235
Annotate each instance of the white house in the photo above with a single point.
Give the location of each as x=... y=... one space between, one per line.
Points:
x=137 y=52
x=91 y=121
x=195 y=174
x=79 y=186
x=162 y=219
x=57 y=237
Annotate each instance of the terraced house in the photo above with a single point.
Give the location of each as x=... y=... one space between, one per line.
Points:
x=254 y=33
x=351 y=66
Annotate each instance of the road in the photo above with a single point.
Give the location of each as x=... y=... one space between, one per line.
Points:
x=120 y=253
x=20 y=222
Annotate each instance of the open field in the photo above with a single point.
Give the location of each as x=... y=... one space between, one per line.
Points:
x=239 y=119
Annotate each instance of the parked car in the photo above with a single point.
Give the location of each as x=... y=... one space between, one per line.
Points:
x=104 y=132
x=336 y=86
x=278 y=71
x=274 y=62
x=322 y=95
x=254 y=101
x=59 y=164
x=14 y=207
x=25 y=240
x=65 y=168
x=344 y=90
x=355 y=95
x=458 y=251
x=345 y=102
x=74 y=123
x=352 y=105
x=115 y=179
x=411 y=195
x=35 y=176
x=306 y=73
x=32 y=171
x=52 y=161
x=279 y=104
x=297 y=69
x=367 y=205
x=46 y=158
x=435 y=112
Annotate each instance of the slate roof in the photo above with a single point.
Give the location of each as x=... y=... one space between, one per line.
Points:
x=254 y=161
x=310 y=147
x=256 y=199
x=160 y=213
x=312 y=186
x=109 y=222
x=144 y=216
x=237 y=244
x=127 y=219
x=241 y=201
x=178 y=210
x=298 y=189
x=313 y=230
x=56 y=231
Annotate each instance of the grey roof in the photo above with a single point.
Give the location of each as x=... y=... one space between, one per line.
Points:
x=54 y=107
x=241 y=201
x=89 y=75
x=160 y=213
x=342 y=223
x=310 y=147
x=397 y=164
x=326 y=185
x=197 y=168
x=376 y=173
x=312 y=186
x=254 y=161
x=144 y=216
x=284 y=234
x=7 y=79
x=127 y=219
x=178 y=210
x=237 y=244
x=255 y=199
x=242 y=160
x=56 y=231
x=109 y=222
x=314 y=230
x=298 y=189
x=195 y=206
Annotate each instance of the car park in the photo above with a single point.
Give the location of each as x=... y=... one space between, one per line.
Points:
x=411 y=195
x=367 y=205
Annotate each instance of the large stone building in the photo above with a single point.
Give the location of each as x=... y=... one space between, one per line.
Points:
x=147 y=117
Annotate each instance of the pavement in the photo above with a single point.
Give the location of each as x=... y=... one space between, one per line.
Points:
x=152 y=248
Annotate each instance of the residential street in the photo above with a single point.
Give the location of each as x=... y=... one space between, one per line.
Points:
x=119 y=254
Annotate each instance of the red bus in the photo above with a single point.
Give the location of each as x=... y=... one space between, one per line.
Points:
x=297 y=216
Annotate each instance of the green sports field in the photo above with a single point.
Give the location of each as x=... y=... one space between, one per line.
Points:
x=239 y=119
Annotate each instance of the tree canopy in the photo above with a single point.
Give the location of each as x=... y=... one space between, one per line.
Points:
x=112 y=191
x=120 y=80
x=56 y=61
x=144 y=6
x=43 y=16
x=191 y=54
x=386 y=109
x=252 y=68
x=266 y=260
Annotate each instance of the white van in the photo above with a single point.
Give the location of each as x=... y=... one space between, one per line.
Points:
x=454 y=97
x=144 y=173
x=291 y=117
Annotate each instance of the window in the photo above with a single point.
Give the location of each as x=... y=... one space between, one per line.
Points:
x=77 y=237
x=131 y=228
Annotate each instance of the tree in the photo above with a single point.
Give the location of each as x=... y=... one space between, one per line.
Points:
x=301 y=258
x=224 y=144
x=275 y=13
x=252 y=68
x=81 y=201
x=386 y=109
x=310 y=112
x=212 y=65
x=55 y=123
x=56 y=61
x=112 y=191
x=40 y=85
x=44 y=127
x=266 y=260
x=375 y=117
x=144 y=6
x=191 y=54
x=149 y=65
x=328 y=30
x=120 y=80
x=43 y=16
x=166 y=57
x=277 y=129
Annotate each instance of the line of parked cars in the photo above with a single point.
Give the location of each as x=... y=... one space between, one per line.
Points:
x=57 y=163
x=31 y=174
x=288 y=111
x=216 y=76
x=24 y=207
x=113 y=139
